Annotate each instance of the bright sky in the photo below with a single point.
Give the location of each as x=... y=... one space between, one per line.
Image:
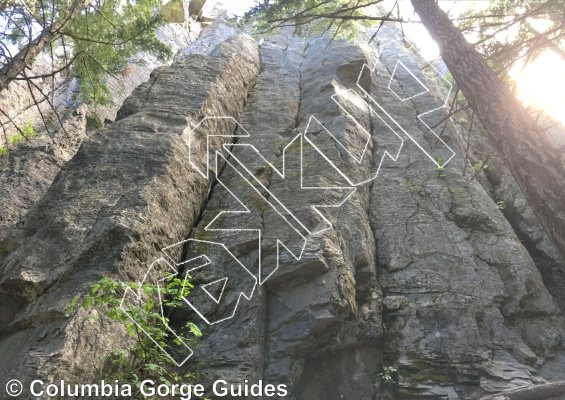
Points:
x=236 y=7
x=540 y=84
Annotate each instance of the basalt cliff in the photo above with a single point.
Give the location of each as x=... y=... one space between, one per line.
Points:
x=356 y=245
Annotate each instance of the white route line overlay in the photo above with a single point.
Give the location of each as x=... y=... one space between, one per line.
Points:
x=137 y=295
x=282 y=173
x=437 y=163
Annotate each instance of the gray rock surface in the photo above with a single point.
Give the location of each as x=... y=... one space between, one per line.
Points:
x=463 y=294
x=323 y=308
x=116 y=201
x=28 y=169
x=415 y=285
x=475 y=294
x=507 y=193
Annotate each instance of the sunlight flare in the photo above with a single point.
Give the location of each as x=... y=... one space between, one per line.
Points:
x=541 y=84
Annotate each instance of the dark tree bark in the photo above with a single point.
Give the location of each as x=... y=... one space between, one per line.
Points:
x=537 y=163
x=26 y=55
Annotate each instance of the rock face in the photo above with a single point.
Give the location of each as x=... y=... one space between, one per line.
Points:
x=117 y=200
x=440 y=287
x=321 y=311
x=345 y=258
x=475 y=296
x=507 y=193
x=29 y=168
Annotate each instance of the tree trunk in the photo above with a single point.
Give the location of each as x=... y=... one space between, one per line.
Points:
x=26 y=55
x=537 y=163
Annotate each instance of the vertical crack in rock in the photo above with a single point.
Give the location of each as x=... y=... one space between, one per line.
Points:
x=463 y=296
x=128 y=192
x=418 y=270
x=213 y=184
x=234 y=350
x=331 y=323
x=322 y=309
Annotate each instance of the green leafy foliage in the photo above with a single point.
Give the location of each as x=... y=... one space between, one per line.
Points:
x=389 y=375
x=463 y=120
x=173 y=11
x=94 y=44
x=440 y=169
x=94 y=121
x=479 y=165
x=147 y=360
x=506 y=33
x=342 y=17
x=106 y=35
x=26 y=131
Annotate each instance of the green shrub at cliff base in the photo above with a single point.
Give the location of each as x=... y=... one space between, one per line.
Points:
x=27 y=131
x=146 y=360
x=389 y=375
x=389 y=382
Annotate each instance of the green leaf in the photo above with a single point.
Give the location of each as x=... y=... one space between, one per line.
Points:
x=194 y=329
